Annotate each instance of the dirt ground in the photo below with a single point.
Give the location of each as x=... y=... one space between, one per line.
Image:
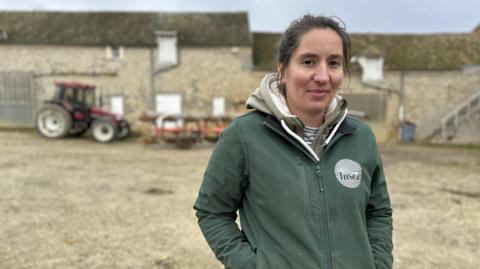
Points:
x=75 y=203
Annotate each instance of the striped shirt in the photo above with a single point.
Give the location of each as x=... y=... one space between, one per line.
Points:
x=309 y=134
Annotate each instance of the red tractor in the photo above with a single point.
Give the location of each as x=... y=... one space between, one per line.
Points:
x=72 y=112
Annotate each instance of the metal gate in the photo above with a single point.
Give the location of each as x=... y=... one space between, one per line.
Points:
x=17 y=99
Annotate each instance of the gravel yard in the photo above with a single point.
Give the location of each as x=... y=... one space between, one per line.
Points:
x=74 y=203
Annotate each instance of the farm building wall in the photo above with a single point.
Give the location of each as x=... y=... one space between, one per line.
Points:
x=202 y=73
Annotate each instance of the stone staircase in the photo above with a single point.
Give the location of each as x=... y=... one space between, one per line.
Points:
x=444 y=122
x=464 y=111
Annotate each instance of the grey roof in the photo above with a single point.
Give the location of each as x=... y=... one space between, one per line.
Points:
x=401 y=52
x=477 y=29
x=124 y=28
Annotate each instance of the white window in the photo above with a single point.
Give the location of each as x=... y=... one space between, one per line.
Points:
x=218 y=104
x=117 y=105
x=168 y=103
x=471 y=68
x=3 y=35
x=372 y=68
x=115 y=52
x=167 y=48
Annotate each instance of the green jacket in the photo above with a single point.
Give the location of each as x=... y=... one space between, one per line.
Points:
x=299 y=208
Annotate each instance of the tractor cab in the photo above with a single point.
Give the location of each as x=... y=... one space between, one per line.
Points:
x=77 y=94
x=78 y=98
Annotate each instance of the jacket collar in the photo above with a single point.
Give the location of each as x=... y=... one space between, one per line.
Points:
x=272 y=122
x=275 y=125
x=346 y=127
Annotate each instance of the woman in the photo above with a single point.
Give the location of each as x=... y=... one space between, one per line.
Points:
x=306 y=178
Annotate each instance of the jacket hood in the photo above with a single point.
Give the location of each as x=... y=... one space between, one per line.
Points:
x=269 y=99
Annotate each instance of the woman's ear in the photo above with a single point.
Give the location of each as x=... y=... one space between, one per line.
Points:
x=281 y=78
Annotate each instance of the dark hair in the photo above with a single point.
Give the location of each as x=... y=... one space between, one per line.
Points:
x=291 y=38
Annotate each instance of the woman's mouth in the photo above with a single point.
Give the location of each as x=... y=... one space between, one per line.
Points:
x=318 y=93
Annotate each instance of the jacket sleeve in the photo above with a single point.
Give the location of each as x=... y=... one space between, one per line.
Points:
x=379 y=218
x=220 y=197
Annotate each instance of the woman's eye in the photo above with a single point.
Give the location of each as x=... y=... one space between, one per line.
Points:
x=308 y=62
x=335 y=64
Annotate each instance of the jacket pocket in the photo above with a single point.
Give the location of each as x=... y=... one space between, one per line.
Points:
x=303 y=185
x=360 y=260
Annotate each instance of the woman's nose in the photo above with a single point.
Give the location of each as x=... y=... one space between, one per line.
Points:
x=321 y=74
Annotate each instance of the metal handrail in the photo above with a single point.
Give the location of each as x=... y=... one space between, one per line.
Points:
x=459 y=113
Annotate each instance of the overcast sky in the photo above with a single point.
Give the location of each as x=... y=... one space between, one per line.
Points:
x=360 y=16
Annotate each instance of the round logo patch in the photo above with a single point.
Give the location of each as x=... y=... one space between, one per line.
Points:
x=348 y=173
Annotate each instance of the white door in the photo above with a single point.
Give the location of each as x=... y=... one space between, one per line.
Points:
x=117 y=105
x=168 y=103
x=218 y=106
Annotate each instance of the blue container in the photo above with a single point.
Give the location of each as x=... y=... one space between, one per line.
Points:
x=407 y=131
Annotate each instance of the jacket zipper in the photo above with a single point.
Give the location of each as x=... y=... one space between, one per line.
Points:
x=330 y=262
x=319 y=174
x=325 y=219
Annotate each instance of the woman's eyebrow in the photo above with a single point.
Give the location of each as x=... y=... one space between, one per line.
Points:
x=314 y=55
x=308 y=55
x=337 y=56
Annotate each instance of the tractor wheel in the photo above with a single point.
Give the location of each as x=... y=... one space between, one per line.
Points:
x=104 y=131
x=53 y=121
x=124 y=130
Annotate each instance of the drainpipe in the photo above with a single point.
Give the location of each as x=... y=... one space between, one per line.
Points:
x=152 y=79
x=401 y=94
x=155 y=68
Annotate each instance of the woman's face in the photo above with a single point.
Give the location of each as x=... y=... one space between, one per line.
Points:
x=314 y=73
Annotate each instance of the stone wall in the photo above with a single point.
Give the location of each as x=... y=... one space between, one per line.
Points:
x=204 y=73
